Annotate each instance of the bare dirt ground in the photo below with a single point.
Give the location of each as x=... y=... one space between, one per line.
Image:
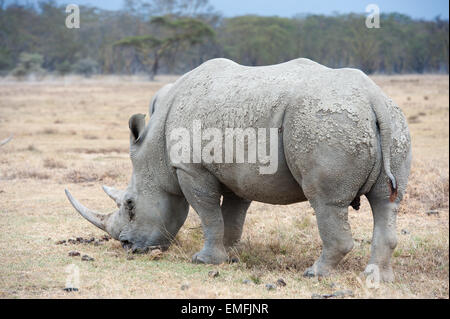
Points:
x=74 y=133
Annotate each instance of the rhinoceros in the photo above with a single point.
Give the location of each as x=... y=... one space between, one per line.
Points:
x=337 y=137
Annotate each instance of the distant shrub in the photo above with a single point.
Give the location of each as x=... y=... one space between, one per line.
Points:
x=5 y=59
x=86 y=66
x=52 y=163
x=29 y=63
x=63 y=67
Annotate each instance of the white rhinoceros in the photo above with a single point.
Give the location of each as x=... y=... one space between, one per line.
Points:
x=334 y=137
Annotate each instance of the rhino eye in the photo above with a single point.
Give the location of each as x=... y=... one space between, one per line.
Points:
x=129 y=203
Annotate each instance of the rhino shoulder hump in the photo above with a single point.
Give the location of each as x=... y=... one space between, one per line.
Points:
x=305 y=61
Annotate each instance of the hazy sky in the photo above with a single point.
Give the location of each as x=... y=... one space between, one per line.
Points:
x=427 y=9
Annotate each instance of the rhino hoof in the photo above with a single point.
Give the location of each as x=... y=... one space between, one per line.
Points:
x=203 y=257
x=381 y=274
x=315 y=271
x=309 y=273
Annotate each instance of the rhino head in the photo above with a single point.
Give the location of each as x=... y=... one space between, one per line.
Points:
x=148 y=216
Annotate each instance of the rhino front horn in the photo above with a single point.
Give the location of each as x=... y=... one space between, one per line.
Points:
x=94 y=217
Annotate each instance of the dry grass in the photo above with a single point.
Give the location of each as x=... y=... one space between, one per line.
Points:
x=81 y=141
x=52 y=163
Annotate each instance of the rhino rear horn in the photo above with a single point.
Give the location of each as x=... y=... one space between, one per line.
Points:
x=115 y=194
x=137 y=125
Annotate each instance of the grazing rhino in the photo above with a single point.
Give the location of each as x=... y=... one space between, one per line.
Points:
x=337 y=137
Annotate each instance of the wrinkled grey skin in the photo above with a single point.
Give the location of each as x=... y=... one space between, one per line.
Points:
x=159 y=96
x=339 y=138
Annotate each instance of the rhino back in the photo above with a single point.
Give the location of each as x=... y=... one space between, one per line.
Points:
x=323 y=104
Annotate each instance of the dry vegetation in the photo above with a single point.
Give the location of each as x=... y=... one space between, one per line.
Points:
x=74 y=134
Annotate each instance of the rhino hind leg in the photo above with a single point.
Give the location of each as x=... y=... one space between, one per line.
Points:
x=336 y=236
x=330 y=183
x=234 y=210
x=384 y=239
x=202 y=191
x=384 y=211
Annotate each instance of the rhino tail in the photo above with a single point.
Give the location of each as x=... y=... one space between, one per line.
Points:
x=382 y=114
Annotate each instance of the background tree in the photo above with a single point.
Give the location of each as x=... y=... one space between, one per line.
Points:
x=254 y=40
x=86 y=66
x=401 y=45
x=29 y=64
x=179 y=33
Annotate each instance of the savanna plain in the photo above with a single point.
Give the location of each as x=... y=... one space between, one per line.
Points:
x=73 y=133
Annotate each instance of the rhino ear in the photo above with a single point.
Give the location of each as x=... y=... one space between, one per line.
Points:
x=137 y=125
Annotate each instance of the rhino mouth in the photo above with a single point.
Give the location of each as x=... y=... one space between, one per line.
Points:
x=129 y=246
x=142 y=245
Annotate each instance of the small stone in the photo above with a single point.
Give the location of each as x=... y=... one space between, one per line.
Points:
x=432 y=212
x=246 y=281
x=87 y=258
x=343 y=293
x=60 y=242
x=405 y=232
x=281 y=282
x=213 y=274
x=72 y=241
x=130 y=257
x=97 y=243
x=74 y=253
x=270 y=286
x=185 y=287
x=80 y=239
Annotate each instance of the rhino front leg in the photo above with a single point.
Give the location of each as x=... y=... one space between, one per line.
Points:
x=336 y=236
x=202 y=191
x=234 y=210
